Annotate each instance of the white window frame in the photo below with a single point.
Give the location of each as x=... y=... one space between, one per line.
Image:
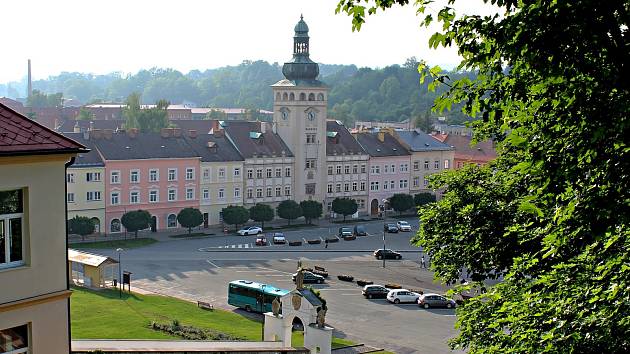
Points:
x=7 y=251
x=154 y=172
x=156 y=193
x=168 y=224
x=287 y=191
x=69 y=177
x=190 y=173
x=287 y=172
x=114 y=177
x=131 y=194
x=237 y=193
x=135 y=172
x=174 y=170
x=205 y=194
x=190 y=193
x=237 y=172
x=174 y=199
x=111 y=198
x=70 y=197
x=278 y=191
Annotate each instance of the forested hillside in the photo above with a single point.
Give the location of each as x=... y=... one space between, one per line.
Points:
x=392 y=93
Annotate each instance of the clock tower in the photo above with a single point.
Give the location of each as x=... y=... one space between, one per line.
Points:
x=300 y=109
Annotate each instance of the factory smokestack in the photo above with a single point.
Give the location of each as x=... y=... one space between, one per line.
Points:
x=30 y=81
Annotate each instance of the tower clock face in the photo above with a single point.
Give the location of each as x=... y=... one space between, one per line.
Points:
x=311 y=116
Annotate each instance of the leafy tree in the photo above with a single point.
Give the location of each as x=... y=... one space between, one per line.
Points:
x=81 y=225
x=420 y=199
x=344 y=206
x=189 y=217
x=40 y=99
x=216 y=115
x=235 y=215
x=401 y=202
x=85 y=114
x=289 y=210
x=424 y=122
x=311 y=209
x=131 y=113
x=155 y=118
x=261 y=213
x=550 y=216
x=136 y=220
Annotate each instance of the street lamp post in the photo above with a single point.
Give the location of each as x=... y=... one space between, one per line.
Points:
x=383 y=254
x=262 y=310
x=119 y=250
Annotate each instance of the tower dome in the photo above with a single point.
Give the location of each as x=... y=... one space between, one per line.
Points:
x=301 y=68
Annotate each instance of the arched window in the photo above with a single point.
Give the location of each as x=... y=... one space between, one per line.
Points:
x=302 y=96
x=291 y=96
x=320 y=96
x=285 y=96
x=97 y=225
x=311 y=97
x=114 y=226
x=171 y=220
x=278 y=96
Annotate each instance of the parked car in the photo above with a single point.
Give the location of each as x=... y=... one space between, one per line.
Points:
x=310 y=278
x=375 y=292
x=391 y=228
x=278 y=238
x=435 y=300
x=403 y=226
x=344 y=231
x=359 y=230
x=261 y=241
x=387 y=254
x=252 y=230
x=399 y=296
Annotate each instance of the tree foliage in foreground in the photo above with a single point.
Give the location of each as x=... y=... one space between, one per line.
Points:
x=344 y=206
x=401 y=202
x=261 y=213
x=136 y=220
x=311 y=209
x=289 y=210
x=235 y=215
x=189 y=218
x=550 y=215
x=81 y=225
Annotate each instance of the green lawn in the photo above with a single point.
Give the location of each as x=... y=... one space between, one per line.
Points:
x=102 y=315
x=126 y=244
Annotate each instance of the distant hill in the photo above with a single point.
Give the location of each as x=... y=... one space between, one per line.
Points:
x=392 y=93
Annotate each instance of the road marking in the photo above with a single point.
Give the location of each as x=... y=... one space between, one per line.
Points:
x=348 y=294
x=216 y=266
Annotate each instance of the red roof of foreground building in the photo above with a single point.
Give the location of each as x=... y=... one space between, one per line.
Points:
x=482 y=151
x=20 y=135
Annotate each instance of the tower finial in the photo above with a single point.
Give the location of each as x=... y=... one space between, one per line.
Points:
x=301 y=17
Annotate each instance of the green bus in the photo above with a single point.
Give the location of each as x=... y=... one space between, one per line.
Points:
x=249 y=295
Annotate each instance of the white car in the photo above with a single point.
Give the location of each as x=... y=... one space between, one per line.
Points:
x=278 y=237
x=252 y=230
x=399 y=296
x=403 y=226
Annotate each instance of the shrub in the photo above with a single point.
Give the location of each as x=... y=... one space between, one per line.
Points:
x=345 y=277
x=393 y=286
x=314 y=242
x=295 y=243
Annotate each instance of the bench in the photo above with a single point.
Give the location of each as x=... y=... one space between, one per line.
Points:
x=205 y=305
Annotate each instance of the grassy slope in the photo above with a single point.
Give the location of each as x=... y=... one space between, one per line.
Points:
x=130 y=243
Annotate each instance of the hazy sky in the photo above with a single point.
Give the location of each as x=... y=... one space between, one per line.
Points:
x=127 y=35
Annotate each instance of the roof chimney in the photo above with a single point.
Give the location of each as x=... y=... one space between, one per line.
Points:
x=192 y=133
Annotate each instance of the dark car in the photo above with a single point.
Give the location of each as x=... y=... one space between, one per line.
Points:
x=435 y=300
x=387 y=254
x=310 y=278
x=375 y=292
x=391 y=228
x=359 y=230
x=344 y=231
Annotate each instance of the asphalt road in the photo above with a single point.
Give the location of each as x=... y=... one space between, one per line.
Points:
x=200 y=269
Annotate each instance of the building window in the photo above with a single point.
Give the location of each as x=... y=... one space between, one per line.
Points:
x=374 y=186
x=338 y=187
x=311 y=164
x=346 y=169
x=250 y=173
x=250 y=193
x=205 y=193
x=416 y=165
x=386 y=169
x=93 y=176
x=190 y=173
x=269 y=192
x=259 y=174
x=330 y=188
x=237 y=172
x=237 y=193
x=403 y=183
x=346 y=187
x=404 y=167
x=154 y=175
x=447 y=164
x=310 y=138
x=355 y=169
x=70 y=198
x=171 y=221
x=392 y=184
x=114 y=198
x=330 y=170
x=385 y=185
x=355 y=186
x=172 y=195
x=338 y=169
x=269 y=173
x=11 y=240
x=114 y=177
x=363 y=168
x=436 y=165
x=426 y=182
x=278 y=172
x=14 y=340
x=287 y=172
x=172 y=174
x=93 y=196
x=221 y=194
x=153 y=196
x=329 y=206
x=309 y=189
x=393 y=168
x=362 y=186
x=259 y=193
x=134 y=176
x=114 y=226
x=287 y=191
x=426 y=164
x=134 y=197
x=70 y=177
x=361 y=203
x=416 y=182
x=206 y=173
x=190 y=193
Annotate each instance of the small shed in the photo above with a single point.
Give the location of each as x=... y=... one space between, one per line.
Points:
x=91 y=269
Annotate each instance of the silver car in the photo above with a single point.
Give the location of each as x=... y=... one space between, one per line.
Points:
x=435 y=300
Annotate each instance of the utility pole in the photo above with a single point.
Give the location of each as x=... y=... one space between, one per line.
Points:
x=383 y=245
x=262 y=310
x=119 y=250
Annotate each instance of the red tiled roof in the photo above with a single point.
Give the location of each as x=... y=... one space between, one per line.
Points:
x=482 y=151
x=21 y=136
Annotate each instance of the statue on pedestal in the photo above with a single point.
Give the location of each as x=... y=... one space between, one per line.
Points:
x=321 y=317
x=275 y=307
